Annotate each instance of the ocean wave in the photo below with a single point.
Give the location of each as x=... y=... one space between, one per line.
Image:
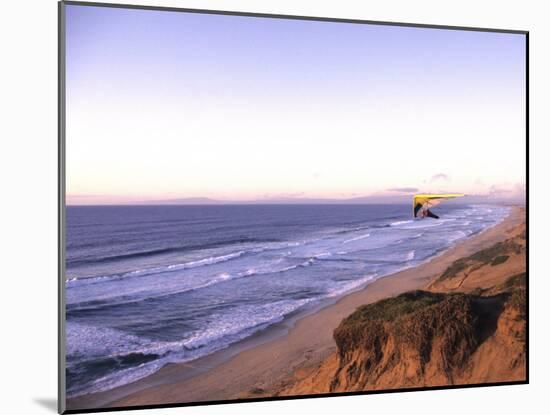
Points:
x=158 y=270
x=410 y=255
x=345 y=288
x=458 y=235
x=400 y=222
x=166 y=250
x=306 y=263
x=357 y=238
x=135 y=294
x=352 y=230
x=89 y=344
x=134 y=298
x=424 y=224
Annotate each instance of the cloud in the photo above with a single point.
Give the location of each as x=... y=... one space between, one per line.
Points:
x=440 y=176
x=403 y=189
x=507 y=190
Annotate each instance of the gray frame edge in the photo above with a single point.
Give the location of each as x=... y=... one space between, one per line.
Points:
x=61 y=366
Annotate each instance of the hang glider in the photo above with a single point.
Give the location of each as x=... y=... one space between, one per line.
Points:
x=423 y=202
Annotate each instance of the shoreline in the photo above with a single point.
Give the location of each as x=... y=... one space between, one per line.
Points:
x=303 y=339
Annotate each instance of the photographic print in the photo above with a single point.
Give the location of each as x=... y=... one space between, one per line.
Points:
x=269 y=207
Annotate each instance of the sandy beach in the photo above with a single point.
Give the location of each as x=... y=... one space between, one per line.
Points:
x=257 y=364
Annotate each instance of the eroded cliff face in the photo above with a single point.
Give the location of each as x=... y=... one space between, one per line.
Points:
x=435 y=344
x=469 y=326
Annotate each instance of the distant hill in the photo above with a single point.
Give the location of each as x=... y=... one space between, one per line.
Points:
x=184 y=201
x=375 y=199
x=391 y=198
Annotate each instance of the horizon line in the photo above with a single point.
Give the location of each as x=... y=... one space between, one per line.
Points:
x=509 y=202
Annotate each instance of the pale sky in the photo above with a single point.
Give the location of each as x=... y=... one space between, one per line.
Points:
x=165 y=105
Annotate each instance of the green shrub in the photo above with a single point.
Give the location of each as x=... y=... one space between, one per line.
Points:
x=499 y=260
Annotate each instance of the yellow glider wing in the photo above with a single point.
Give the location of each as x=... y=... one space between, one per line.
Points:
x=430 y=199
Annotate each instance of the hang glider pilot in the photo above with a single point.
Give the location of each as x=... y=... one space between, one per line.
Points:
x=423 y=202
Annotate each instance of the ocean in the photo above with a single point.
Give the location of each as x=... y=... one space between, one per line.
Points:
x=149 y=285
